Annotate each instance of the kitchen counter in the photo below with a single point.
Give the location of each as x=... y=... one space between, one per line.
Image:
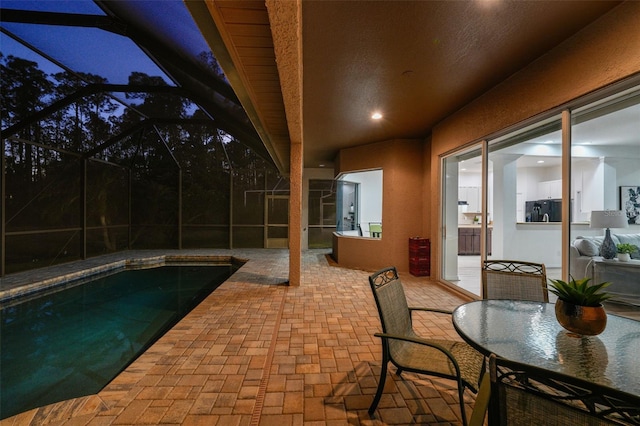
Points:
x=553 y=223
x=538 y=223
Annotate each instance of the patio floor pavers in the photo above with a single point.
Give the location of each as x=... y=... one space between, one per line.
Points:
x=258 y=352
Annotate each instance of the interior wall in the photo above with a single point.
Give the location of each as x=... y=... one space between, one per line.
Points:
x=402 y=213
x=603 y=53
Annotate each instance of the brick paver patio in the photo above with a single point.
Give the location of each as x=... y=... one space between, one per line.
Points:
x=258 y=352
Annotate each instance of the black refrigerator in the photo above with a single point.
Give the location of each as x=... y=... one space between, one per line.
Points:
x=548 y=210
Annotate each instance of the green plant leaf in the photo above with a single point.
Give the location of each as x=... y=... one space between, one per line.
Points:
x=579 y=292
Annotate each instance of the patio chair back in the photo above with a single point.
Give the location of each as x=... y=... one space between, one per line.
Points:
x=516 y=280
x=524 y=395
x=408 y=351
x=395 y=316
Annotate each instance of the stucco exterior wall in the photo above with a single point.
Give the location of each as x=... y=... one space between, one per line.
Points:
x=428 y=197
x=603 y=53
x=401 y=162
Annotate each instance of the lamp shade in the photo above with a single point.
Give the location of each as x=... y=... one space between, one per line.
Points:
x=608 y=219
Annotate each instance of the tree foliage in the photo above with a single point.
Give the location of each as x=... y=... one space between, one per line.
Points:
x=45 y=162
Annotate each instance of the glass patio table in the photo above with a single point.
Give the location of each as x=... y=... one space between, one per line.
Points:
x=528 y=332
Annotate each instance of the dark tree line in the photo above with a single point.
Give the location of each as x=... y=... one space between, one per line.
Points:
x=44 y=165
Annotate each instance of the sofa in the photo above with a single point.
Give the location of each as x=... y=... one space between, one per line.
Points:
x=625 y=278
x=585 y=249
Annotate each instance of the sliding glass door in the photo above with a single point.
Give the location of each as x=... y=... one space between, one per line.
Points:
x=462 y=218
x=525 y=206
x=523 y=213
x=605 y=176
x=530 y=192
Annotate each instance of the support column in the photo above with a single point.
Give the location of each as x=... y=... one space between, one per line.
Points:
x=285 y=18
x=295 y=216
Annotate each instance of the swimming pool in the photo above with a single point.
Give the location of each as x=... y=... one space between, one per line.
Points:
x=73 y=341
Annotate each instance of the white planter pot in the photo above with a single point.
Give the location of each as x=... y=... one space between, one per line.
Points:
x=624 y=257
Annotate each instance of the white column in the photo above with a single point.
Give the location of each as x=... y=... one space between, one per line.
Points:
x=504 y=205
x=450 y=272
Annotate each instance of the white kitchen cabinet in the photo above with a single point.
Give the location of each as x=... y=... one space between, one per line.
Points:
x=470 y=194
x=550 y=189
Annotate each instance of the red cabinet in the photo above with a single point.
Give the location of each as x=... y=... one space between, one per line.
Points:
x=419 y=257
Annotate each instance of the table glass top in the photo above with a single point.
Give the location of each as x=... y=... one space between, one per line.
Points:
x=528 y=332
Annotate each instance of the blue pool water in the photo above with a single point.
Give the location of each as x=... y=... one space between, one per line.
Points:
x=73 y=342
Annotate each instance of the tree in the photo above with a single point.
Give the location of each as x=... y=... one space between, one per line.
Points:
x=85 y=123
x=24 y=89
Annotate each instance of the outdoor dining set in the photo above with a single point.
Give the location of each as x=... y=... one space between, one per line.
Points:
x=517 y=357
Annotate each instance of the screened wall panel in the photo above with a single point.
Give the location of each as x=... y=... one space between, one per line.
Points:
x=276 y=184
x=206 y=208
x=43 y=207
x=321 y=213
x=248 y=197
x=206 y=198
x=104 y=240
x=154 y=237
x=107 y=208
x=154 y=199
x=205 y=236
x=104 y=171
x=32 y=251
x=321 y=237
x=42 y=189
x=248 y=236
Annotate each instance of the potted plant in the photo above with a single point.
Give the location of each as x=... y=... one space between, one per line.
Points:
x=624 y=251
x=579 y=306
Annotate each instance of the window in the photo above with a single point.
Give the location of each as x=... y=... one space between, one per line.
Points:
x=359 y=204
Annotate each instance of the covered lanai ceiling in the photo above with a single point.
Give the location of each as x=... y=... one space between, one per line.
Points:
x=416 y=62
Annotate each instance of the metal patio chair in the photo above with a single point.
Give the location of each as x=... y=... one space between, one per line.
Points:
x=513 y=279
x=408 y=351
x=524 y=395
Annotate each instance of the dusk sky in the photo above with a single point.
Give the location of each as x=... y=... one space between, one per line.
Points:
x=86 y=50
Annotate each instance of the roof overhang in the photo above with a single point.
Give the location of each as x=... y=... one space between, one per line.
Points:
x=239 y=33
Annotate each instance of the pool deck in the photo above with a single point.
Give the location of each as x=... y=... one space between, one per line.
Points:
x=258 y=352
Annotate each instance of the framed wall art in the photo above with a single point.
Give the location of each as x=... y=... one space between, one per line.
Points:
x=630 y=203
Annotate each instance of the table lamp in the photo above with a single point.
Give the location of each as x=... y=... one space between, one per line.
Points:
x=608 y=219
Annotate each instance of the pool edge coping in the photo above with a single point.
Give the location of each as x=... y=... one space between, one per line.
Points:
x=131 y=263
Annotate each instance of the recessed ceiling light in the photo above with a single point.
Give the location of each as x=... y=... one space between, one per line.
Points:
x=320 y=165
x=376 y=116
x=463 y=169
x=540 y=161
